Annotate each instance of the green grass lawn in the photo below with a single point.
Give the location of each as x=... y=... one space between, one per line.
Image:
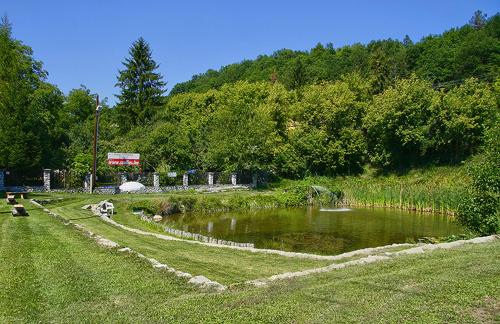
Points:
x=226 y=266
x=50 y=272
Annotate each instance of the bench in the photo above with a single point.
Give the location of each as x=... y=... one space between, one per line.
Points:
x=22 y=194
x=19 y=210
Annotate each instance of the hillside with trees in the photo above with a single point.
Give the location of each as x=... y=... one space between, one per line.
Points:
x=444 y=60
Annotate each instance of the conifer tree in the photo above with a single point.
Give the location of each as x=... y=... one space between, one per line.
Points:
x=478 y=20
x=141 y=86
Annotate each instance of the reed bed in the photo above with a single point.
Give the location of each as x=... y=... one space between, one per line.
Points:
x=430 y=190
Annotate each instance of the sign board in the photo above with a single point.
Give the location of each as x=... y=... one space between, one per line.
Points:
x=127 y=159
x=172 y=174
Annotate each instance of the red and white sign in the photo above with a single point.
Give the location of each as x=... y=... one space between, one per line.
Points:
x=127 y=159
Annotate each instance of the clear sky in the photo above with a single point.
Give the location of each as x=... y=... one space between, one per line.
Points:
x=84 y=42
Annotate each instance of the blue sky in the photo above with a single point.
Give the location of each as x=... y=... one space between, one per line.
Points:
x=84 y=42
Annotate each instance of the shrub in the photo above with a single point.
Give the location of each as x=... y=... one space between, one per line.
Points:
x=479 y=210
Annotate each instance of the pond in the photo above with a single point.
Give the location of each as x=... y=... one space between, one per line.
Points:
x=317 y=231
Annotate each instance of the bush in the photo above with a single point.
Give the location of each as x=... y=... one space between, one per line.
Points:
x=479 y=210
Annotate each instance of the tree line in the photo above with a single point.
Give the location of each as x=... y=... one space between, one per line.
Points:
x=332 y=128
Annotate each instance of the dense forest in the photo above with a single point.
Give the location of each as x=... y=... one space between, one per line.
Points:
x=330 y=111
x=444 y=60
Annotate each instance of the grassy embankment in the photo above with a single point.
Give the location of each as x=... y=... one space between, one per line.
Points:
x=52 y=273
x=222 y=265
x=436 y=189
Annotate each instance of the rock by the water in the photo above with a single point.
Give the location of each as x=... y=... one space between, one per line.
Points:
x=131 y=186
x=157 y=218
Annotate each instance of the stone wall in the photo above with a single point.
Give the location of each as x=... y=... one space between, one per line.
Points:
x=25 y=188
x=146 y=190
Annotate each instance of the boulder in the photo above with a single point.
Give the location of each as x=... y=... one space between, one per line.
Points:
x=157 y=218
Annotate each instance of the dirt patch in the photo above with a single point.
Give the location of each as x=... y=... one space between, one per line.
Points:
x=488 y=311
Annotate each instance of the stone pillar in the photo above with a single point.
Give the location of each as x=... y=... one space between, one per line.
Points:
x=86 y=182
x=210 y=178
x=2 y=180
x=233 y=179
x=156 y=180
x=46 y=179
x=123 y=177
x=254 y=180
x=185 y=179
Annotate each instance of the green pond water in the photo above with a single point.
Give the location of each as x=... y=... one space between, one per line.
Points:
x=315 y=231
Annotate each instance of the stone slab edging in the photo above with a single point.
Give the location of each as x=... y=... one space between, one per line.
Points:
x=199 y=281
x=366 y=251
x=193 y=236
x=371 y=259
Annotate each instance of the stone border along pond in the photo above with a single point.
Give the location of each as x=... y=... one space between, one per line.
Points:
x=371 y=259
x=193 y=236
x=199 y=281
x=366 y=251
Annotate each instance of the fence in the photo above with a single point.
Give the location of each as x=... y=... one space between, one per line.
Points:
x=63 y=179
x=21 y=179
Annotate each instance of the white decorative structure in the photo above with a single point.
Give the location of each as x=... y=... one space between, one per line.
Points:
x=156 y=180
x=46 y=179
x=106 y=208
x=233 y=179
x=131 y=186
x=185 y=179
x=210 y=178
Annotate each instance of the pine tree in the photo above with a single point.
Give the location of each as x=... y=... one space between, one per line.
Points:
x=141 y=86
x=478 y=20
x=407 y=42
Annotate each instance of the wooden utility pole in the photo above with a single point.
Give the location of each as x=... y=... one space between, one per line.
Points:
x=96 y=134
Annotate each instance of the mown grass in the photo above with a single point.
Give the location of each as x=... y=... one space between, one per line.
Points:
x=223 y=265
x=51 y=273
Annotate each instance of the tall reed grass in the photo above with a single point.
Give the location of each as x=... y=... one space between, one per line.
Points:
x=436 y=189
